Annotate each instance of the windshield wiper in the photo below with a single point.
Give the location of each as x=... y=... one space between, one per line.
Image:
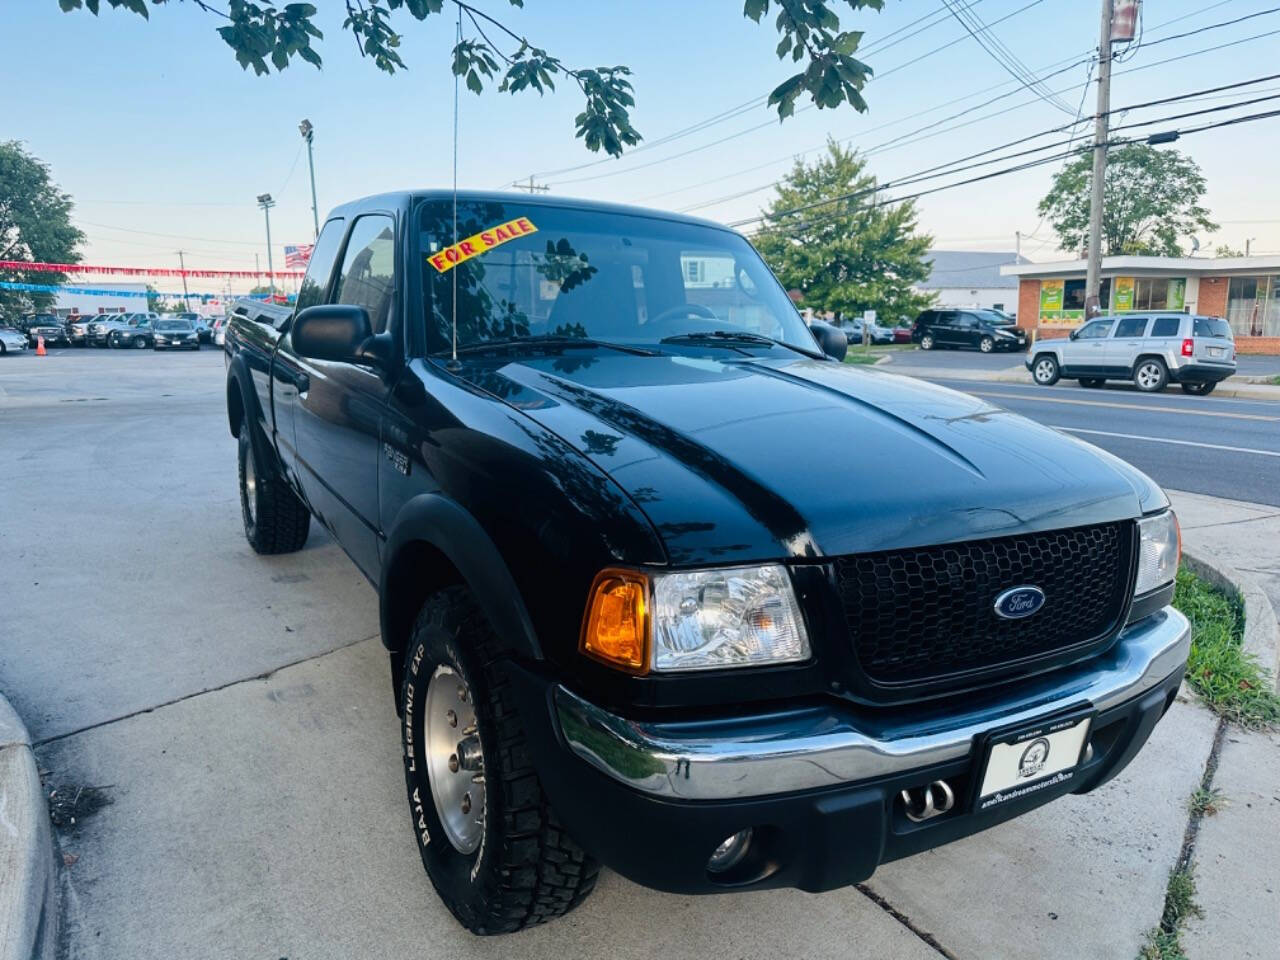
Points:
x=730 y=337
x=552 y=340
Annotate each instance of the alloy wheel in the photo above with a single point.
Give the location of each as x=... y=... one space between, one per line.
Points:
x=1044 y=371
x=455 y=761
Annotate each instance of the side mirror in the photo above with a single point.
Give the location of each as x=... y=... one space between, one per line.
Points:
x=831 y=339
x=1074 y=334
x=337 y=332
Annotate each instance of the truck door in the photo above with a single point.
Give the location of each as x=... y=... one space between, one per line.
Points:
x=287 y=377
x=337 y=416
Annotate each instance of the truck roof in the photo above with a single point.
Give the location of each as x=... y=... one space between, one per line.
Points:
x=402 y=198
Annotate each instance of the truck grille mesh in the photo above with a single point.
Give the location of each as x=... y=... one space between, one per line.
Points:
x=925 y=613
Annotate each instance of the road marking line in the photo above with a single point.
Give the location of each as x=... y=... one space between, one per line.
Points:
x=1181 y=443
x=1130 y=406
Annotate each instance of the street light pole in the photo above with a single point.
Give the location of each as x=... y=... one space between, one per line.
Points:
x=266 y=203
x=308 y=133
x=1093 y=274
x=186 y=298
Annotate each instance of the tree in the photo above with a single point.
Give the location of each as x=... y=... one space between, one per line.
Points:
x=153 y=299
x=1151 y=198
x=1226 y=250
x=842 y=251
x=261 y=290
x=35 y=226
x=263 y=36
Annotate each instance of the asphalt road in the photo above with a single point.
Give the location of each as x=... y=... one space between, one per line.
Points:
x=1247 y=365
x=225 y=720
x=1218 y=446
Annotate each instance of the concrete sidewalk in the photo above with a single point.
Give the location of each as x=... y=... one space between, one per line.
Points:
x=1240 y=387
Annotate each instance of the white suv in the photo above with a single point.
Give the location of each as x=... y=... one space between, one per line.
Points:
x=1152 y=350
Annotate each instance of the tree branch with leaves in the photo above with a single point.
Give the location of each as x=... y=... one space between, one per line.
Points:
x=264 y=35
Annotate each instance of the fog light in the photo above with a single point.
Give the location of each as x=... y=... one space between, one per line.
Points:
x=730 y=853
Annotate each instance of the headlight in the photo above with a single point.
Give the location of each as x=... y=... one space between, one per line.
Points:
x=1159 y=549
x=694 y=620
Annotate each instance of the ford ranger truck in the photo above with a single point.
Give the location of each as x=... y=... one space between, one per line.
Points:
x=667 y=587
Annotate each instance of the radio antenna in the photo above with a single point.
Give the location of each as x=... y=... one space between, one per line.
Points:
x=453 y=360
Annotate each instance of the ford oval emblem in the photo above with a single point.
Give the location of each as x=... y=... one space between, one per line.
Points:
x=1018 y=602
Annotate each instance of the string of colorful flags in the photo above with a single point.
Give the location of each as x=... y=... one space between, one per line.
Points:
x=96 y=292
x=41 y=267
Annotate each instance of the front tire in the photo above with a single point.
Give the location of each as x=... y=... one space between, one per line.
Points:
x=488 y=837
x=140 y=344
x=1045 y=371
x=1150 y=375
x=986 y=344
x=275 y=520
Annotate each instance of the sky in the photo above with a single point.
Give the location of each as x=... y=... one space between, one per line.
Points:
x=163 y=141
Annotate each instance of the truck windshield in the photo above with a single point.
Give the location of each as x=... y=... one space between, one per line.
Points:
x=527 y=270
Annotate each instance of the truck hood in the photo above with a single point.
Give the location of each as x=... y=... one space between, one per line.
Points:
x=756 y=458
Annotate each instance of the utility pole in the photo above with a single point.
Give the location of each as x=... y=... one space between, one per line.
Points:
x=531 y=186
x=309 y=132
x=1017 y=246
x=1093 y=274
x=1247 y=244
x=266 y=203
x=186 y=299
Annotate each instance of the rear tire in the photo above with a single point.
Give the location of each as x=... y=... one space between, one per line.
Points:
x=1150 y=375
x=503 y=862
x=926 y=342
x=1198 y=389
x=275 y=520
x=1045 y=371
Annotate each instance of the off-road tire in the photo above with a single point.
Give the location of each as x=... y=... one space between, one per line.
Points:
x=275 y=520
x=526 y=869
x=1198 y=389
x=1150 y=375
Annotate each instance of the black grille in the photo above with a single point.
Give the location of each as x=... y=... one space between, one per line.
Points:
x=926 y=613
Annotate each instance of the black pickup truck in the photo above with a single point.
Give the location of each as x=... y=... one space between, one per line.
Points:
x=667 y=587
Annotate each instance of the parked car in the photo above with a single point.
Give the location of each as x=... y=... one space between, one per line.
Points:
x=853 y=331
x=219 y=331
x=47 y=325
x=200 y=324
x=12 y=341
x=1151 y=350
x=172 y=332
x=982 y=330
x=101 y=327
x=902 y=334
x=137 y=333
x=666 y=586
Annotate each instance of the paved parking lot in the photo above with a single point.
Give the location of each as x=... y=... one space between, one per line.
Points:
x=230 y=716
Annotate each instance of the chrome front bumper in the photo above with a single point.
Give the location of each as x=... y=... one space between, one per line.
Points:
x=765 y=754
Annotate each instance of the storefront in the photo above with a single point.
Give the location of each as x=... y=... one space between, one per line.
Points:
x=1243 y=290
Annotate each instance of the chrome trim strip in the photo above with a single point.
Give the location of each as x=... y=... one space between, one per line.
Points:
x=758 y=755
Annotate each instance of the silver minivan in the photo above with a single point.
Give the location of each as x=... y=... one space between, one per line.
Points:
x=1150 y=349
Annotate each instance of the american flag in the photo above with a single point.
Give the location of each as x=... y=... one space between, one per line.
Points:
x=296 y=255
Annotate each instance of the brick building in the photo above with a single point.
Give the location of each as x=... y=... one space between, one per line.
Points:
x=1243 y=290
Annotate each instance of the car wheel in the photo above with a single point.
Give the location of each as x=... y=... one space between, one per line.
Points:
x=926 y=342
x=489 y=840
x=111 y=343
x=3 y=349
x=1198 y=389
x=275 y=520
x=1045 y=371
x=1150 y=375
x=140 y=343
x=986 y=344
x=1092 y=382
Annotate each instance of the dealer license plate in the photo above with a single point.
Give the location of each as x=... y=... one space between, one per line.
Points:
x=1032 y=759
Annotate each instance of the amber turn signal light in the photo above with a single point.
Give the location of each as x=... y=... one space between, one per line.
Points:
x=615 y=630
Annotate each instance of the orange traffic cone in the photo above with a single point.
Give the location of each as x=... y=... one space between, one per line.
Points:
x=40 y=350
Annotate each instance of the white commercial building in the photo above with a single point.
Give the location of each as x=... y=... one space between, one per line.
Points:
x=972 y=278
x=105 y=298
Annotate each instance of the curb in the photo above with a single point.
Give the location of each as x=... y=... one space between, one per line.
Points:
x=28 y=878
x=1261 y=630
x=1244 y=391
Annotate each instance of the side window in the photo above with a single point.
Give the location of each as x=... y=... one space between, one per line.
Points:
x=1165 y=327
x=320 y=266
x=968 y=321
x=1131 y=327
x=1095 y=330
x=946 y=317
x=368 y=269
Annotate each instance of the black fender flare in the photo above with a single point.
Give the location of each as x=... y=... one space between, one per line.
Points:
x=445 y=525
x=238 y=371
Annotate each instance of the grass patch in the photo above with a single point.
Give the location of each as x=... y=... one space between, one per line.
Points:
x=1164 y=941
x=860 y=354
x=1229 y=680
x=1276 y=381
x=1205 y=802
